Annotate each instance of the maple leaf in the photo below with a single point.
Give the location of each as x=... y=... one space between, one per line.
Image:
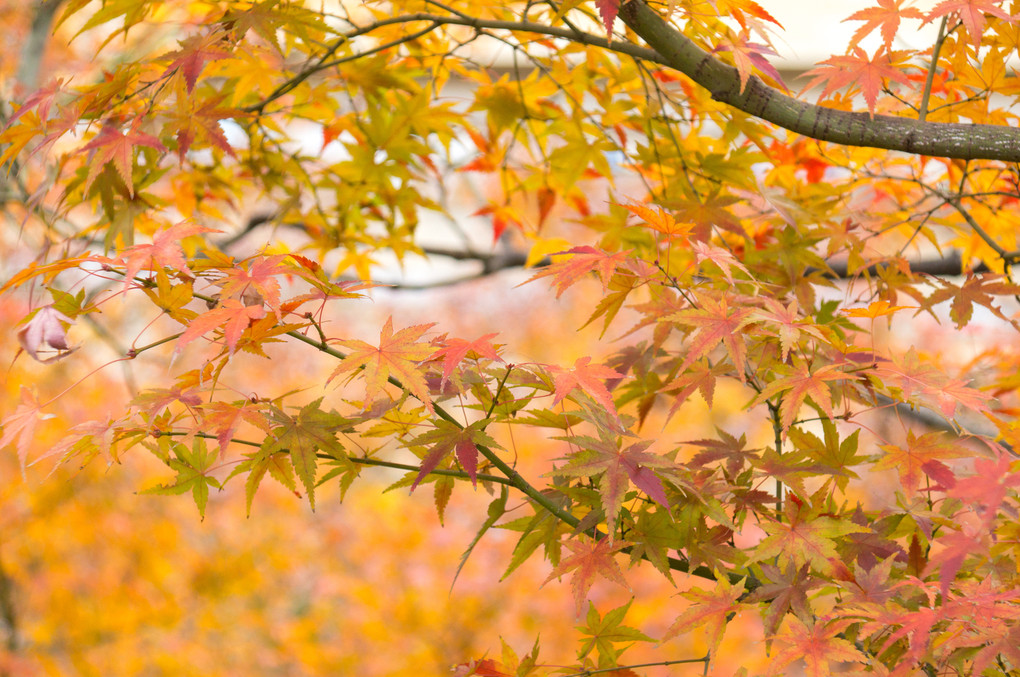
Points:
x=449 y=437
x=583 y=260
x=921 y=454
x=719 y=256
x=715 y=322
x=589 y=378
x=618 y=468
x=747 y=55
x=972 y=14
x=886 y=16
x=165 y=251
x=955 y=547
x=455 y=350
x=302 y=436
x=191 y=58
x=255 y=281
x=787 y=590
x=800 y=384
x=661 y=221
x=859 y=71
x=46 y=330
x=589 y=560
x=483 y=668
x=803 y=539
x=395 y=360
x=608 y=9
x=19 y=427
x=711 y=608
x=232 y=316
x=819 y=646
x=988 y=487
x=977 y=289
x=113 y=146
x=604 y=632
x=705 y=214
x=203 y=121
x=786 y=323
x=223 y=419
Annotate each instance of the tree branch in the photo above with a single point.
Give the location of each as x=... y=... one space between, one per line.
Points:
x=940 y=139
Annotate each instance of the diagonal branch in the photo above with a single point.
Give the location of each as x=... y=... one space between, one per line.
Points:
x=953 y=140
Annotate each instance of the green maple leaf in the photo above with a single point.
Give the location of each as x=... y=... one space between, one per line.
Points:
x=802 y=539
x=303 y=435
x=192 y=467
x=604 y=632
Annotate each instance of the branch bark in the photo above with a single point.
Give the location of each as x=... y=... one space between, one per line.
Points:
x=952 y=140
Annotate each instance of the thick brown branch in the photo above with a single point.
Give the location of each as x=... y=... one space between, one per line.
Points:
x=954 y=140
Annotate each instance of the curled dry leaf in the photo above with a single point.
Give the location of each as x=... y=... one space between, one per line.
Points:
x=45 y=332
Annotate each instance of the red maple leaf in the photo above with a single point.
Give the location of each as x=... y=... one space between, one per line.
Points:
x=394 y=360
x=590 y=559
x=191 y=58
x=232 y=316
x=988 y=487
x=116 y=147
x=589 y=378
x=608 y=9
x=859 y=71
x=455 y=350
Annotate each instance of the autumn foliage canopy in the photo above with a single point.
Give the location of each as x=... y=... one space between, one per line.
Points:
x=788 y=387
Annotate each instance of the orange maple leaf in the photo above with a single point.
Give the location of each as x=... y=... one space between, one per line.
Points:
x=257 y=278
x=715 y=322
x=591 y=559
x=584 y=260
x=712 y=608
x=802 y=383
x=859 y=71
x=589 y=378
x=886 y=16
x=395 y=360
x=972 y=14
x=820 y=647
x=165 y=250
x=921 y=454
